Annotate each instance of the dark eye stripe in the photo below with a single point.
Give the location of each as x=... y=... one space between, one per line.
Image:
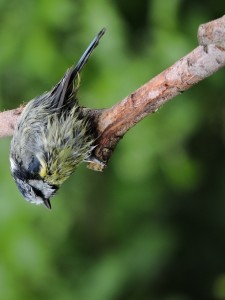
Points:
x=38 y=193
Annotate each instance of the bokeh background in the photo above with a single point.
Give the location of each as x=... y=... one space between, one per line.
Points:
x=152 y=226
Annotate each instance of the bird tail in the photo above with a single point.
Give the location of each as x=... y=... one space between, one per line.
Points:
x=62 y=91
x=86 y=55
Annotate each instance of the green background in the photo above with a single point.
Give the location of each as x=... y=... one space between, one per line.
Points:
x=152 y=226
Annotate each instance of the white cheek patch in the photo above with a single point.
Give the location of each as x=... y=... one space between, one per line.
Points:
x=37 y=201
x=42 y=186
x=13 y=164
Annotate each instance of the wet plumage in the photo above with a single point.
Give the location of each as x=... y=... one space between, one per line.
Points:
x=52 y=138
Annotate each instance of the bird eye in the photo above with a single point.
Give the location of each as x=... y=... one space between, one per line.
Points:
x=38 y=192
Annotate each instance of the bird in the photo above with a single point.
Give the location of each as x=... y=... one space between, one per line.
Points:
x=52 y=137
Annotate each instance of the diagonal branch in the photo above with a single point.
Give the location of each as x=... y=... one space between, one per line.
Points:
x=111 y=124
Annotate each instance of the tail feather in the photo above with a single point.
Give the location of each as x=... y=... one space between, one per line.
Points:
x=65 y=87
x=86 y=55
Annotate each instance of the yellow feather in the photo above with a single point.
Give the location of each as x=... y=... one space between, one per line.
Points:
x=43 y=170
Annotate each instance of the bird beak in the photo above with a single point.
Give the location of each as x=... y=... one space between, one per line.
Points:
x=47 y=203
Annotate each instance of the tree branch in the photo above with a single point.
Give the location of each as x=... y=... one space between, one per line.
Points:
x=111 y=124
x=8 y=120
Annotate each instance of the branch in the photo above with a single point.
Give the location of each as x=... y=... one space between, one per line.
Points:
x=8 y=120
x=112 y=123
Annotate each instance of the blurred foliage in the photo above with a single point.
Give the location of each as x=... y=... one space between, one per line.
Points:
x=152 y=225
